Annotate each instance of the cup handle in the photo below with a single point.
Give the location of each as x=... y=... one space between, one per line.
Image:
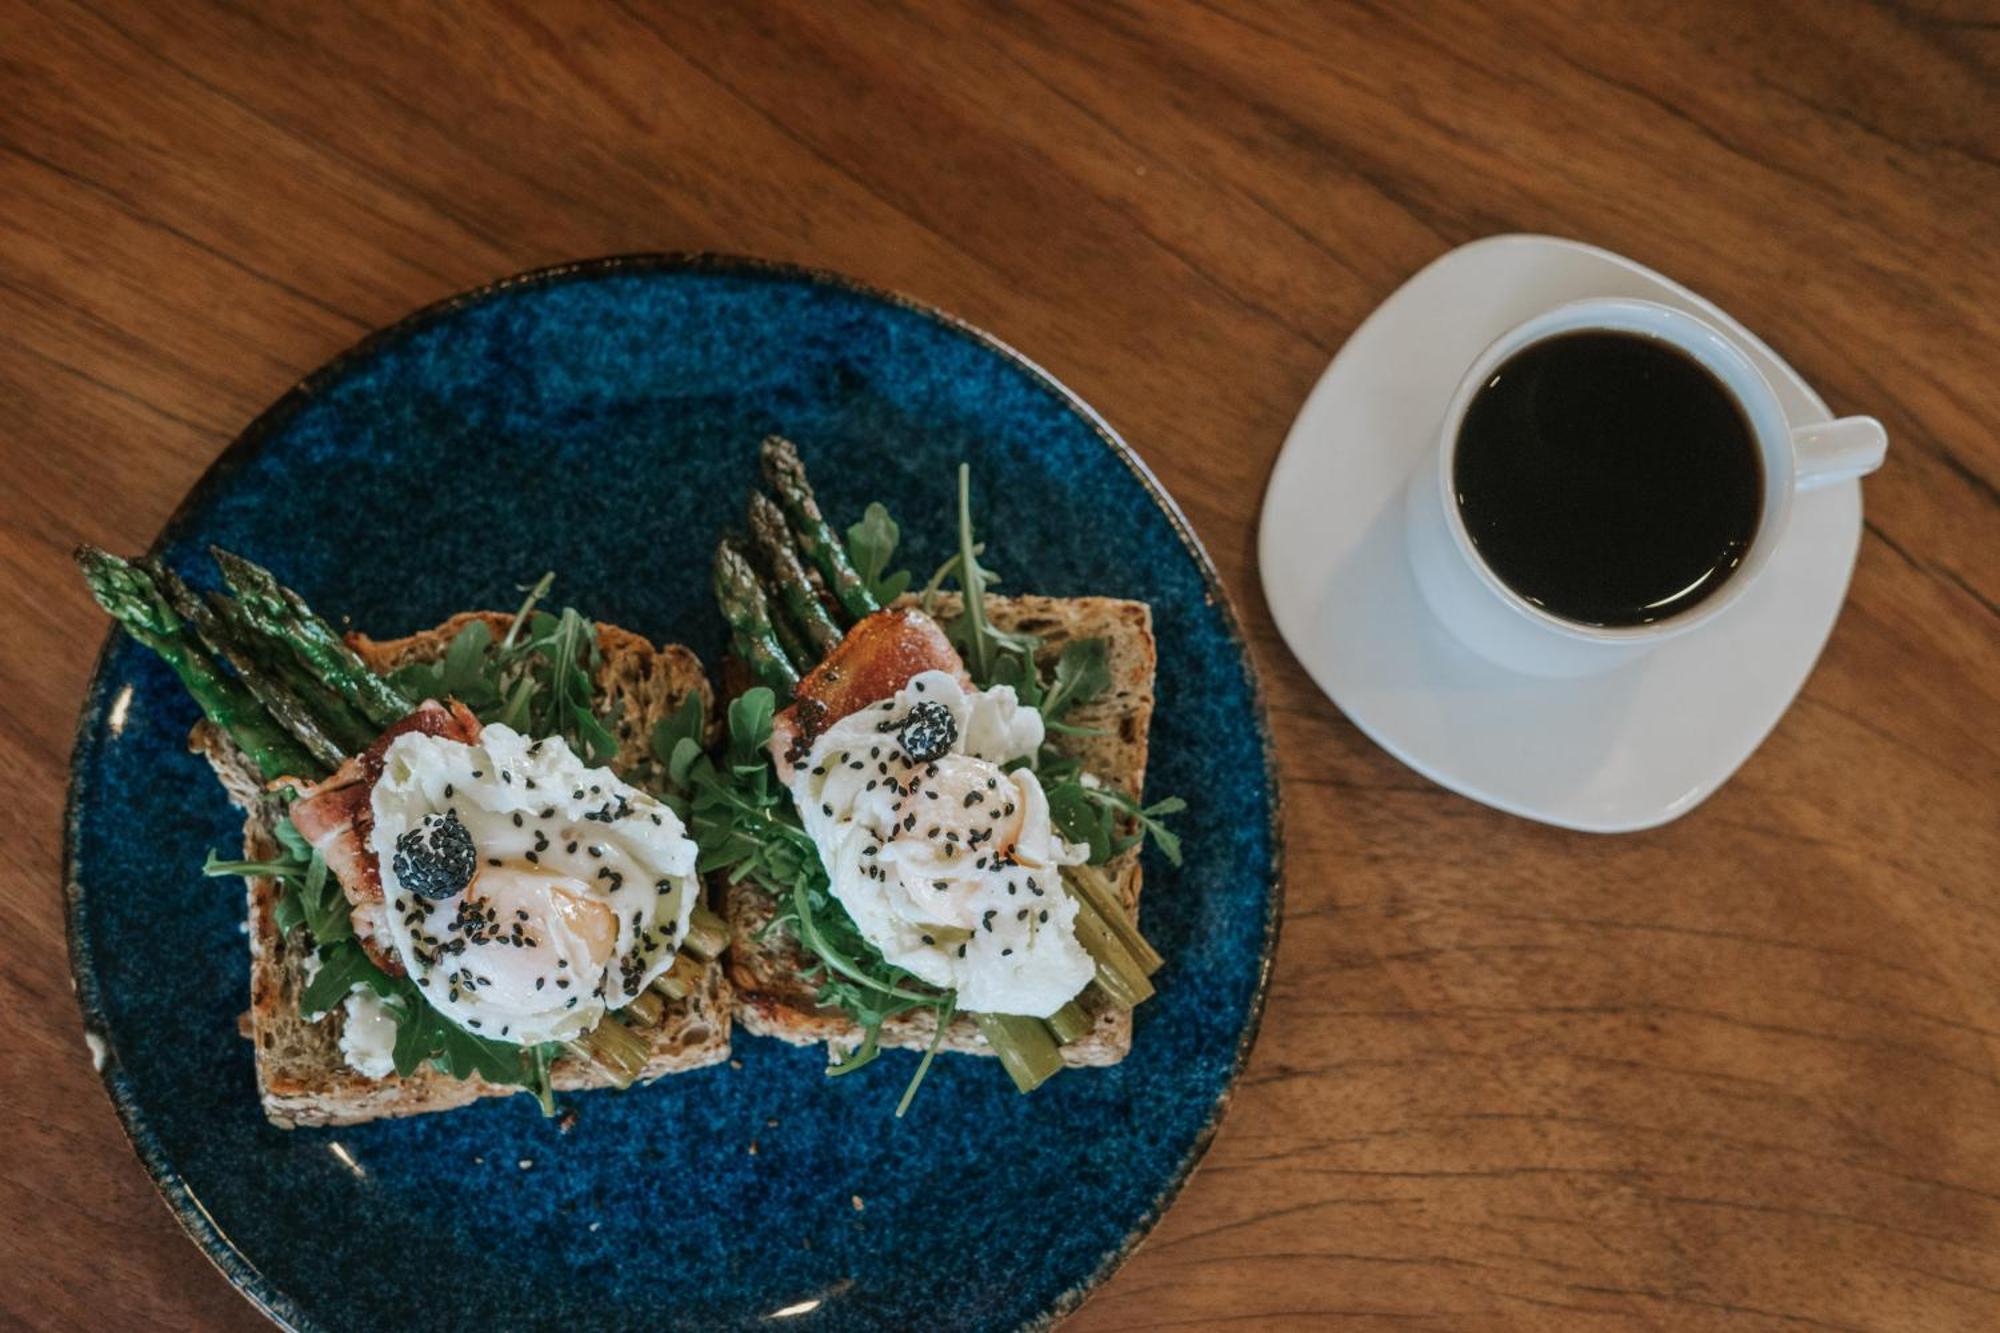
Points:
x=1837 y=450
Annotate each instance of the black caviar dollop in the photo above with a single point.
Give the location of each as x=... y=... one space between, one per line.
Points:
x=436 y=859
x=928 y=731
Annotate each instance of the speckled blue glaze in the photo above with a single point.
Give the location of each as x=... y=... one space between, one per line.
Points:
x=600 y=420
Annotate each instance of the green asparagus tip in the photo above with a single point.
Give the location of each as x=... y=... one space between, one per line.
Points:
x=125 y=592
x=782 y=466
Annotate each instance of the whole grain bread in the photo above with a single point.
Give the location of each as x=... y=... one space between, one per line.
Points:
x=301 y=1077
x=766 y=966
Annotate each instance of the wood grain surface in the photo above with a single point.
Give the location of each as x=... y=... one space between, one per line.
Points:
x=1741 y=1072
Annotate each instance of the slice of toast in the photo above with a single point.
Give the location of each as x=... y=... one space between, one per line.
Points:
x=772 y=997
x=300 y=1074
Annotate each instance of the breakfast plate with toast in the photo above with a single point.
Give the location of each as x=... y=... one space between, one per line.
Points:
x=671 y=792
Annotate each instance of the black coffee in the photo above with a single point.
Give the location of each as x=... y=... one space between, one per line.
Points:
x=1608 y=478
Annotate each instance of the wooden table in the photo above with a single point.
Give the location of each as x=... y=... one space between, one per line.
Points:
x=1740 y=1071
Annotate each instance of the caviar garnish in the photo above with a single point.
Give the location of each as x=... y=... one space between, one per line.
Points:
x=436 y=859
x=928 y=731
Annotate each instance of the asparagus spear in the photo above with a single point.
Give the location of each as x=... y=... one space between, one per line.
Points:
x=281 y=613
x=286 y=707
x=800 y=600
x=797 y=651
x=821 y=545
x=134 y=601
x=340 y=718
x=741 y=598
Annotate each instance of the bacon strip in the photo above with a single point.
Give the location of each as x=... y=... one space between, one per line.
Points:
x=335 y=817
x=877 y=658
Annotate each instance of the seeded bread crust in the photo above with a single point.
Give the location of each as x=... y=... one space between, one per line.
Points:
x=766 y=968
x=301 y=1077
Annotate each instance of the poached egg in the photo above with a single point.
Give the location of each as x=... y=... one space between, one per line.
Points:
x=946 y=861
x=526 y=893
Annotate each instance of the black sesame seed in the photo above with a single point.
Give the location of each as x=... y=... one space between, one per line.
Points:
x=571 y=849
x=529 y=783
x=533 y=859
x=447 y=791
x=1005 y=952
x=517 y=819
x=1043 y=918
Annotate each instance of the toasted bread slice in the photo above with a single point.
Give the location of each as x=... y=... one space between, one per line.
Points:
x=773 y=999
x=300 y=1074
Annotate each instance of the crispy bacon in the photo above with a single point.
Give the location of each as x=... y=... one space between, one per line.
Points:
x=878 y=657
x=335 y=816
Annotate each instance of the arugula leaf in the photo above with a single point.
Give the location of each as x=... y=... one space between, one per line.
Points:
x=1081 y=675
x=977 y=637
x=342 y=968
x=537 y=679
x=872 y=544
x=1093 y=815
x=685 y=725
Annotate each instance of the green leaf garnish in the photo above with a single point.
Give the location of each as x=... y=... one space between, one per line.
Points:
x=872 y=544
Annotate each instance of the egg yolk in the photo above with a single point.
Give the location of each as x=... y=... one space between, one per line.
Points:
x=966 y=796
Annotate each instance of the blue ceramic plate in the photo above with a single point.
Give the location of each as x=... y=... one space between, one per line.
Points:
x=601 y=420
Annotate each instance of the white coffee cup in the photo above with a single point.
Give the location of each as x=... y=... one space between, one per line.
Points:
x=1493 y=620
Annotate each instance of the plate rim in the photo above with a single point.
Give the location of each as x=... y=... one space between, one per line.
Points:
x=186 y=1207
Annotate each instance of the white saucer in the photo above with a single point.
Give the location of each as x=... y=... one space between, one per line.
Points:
x=1634 y=747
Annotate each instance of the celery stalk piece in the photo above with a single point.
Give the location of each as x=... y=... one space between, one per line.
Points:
x=707 y=935
x=1068 y=1023
x=647 y=1008
x=617 y=1050
x=1090 y=886
x=1118 y=973
x=1025 y=1047
x=679 y=981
